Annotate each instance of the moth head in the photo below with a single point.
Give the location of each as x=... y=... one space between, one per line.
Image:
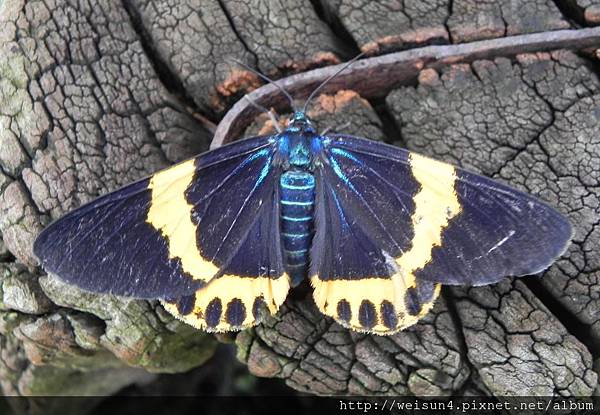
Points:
x=299 y=122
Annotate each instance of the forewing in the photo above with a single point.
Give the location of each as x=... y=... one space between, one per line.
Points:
x=170 y=235
x=431 y=222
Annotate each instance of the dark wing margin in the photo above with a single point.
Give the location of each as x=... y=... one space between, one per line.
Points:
x=169 y=235
x=498 y=232
x=433 y=222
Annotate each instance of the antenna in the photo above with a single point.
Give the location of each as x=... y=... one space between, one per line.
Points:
x=317 y=89
x=269 y=80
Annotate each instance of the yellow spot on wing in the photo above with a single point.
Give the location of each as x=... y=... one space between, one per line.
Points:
x=228 y=287
x=170 y=213
x=327 y=294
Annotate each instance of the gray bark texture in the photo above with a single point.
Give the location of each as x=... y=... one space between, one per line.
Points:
x=94 y=95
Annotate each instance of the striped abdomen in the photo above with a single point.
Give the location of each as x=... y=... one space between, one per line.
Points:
x=297 y=203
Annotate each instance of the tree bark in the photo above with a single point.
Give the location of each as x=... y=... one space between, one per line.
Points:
x=96 y=95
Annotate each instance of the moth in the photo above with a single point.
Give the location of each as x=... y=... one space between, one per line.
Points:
x=221 y=238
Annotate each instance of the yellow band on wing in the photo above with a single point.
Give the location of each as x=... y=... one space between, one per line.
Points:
x=170 y=213
x=385 y=305
x=435 y=204
x=328 y=294
x=228 y=288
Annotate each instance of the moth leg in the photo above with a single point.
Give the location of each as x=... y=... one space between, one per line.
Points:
x=338 y=129
x=270 y=113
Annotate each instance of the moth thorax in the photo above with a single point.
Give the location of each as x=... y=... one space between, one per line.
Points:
x=300 y=154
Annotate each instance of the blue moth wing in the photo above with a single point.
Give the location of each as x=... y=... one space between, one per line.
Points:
x=95 y=248
x=184 y=235
x=403 y=223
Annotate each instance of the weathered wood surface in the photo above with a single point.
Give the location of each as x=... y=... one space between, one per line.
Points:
x=95 y=95
x=375 y=77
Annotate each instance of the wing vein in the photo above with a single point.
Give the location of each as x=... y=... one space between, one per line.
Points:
x=238 y=214
x=346 y=179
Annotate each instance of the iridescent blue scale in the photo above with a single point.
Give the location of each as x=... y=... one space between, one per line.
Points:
x=297 y=194
x=297 y=197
